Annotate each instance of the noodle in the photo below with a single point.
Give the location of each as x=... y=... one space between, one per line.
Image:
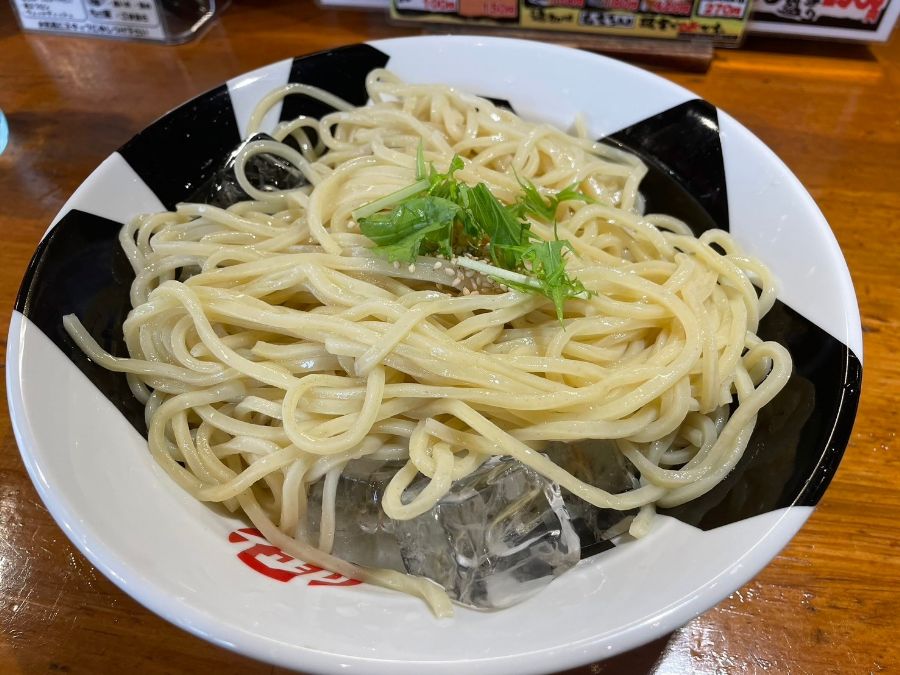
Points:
x=272 y=346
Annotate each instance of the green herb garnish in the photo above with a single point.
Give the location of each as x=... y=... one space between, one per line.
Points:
x=416 y=224
x=440 y=215
x=532 y=202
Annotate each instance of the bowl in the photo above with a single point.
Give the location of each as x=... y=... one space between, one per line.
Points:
x=78 y=427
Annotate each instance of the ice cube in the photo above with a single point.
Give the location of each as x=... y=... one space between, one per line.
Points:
x=598 y=463
x=498 y=537
x=363 y=533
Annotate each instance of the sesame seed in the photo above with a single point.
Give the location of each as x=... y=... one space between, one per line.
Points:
x=455 y=282
x=396 y=264
x=450 y=272
x=438 y=265
x=469 y=274
x=411 y=268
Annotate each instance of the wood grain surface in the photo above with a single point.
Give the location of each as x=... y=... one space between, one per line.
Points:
x=827 y=604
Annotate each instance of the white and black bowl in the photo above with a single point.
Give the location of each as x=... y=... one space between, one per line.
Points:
x=81 y=433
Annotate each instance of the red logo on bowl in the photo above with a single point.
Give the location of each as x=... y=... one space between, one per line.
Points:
x=274 y=563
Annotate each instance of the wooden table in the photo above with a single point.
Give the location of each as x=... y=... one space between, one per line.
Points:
x=827 y=604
